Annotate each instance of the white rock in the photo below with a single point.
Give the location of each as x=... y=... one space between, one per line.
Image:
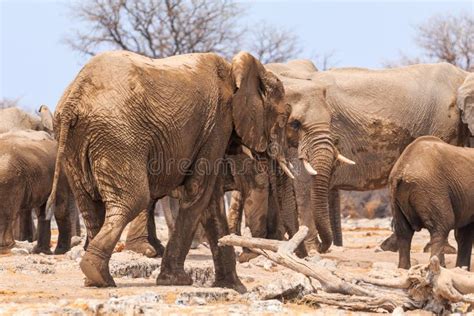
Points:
x=19 y=251
x=75 y=253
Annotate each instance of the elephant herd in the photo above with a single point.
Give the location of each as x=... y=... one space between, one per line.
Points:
x=284 y=138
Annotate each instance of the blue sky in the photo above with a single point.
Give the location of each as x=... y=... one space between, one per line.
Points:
x=36 y=66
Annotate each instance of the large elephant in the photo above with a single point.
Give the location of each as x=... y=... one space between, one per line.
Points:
x=27 y=162
x=369 y=116
x=431 y=187
x=132 y=128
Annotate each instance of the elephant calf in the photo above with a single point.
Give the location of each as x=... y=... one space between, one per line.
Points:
x=27 y=161
x=431 y=187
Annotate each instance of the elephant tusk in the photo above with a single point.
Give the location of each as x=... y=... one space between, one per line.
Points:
x=345 y=160
x=291 y=166
x=309 y=168
x=285 y=169
x=247 y=151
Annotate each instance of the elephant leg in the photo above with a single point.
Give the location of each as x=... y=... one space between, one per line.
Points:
x=335 y=212
x=438 y=239
x=256 y=204
x=44 y=233
x=464 y=237
x=141 y=237
x=215 y=225
x=93 y=212
x=25 y=229
x=63 y=219
x=403 y=236
x=7 y=218
x=234 y=217
x=121 y=207
x=189 y=214
x=75 y=220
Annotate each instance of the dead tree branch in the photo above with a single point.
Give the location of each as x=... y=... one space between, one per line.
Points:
x=424 y=286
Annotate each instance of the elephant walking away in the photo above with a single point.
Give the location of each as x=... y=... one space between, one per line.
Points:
x=431 y=187
x=167 y=126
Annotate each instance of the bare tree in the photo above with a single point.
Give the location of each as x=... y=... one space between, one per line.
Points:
x=157 y=28
x=273 y=45
x=161 y=28
x=448 y=38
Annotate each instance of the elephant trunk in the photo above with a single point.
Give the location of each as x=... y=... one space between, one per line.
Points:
x=319 y=196
x=319 y=151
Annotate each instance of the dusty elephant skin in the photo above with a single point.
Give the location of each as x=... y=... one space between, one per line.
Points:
x=131 y=129
x=368 y=116
x=431 y=187
x=27 y=160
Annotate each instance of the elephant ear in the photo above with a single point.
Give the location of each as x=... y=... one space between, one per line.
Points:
x=465 y=101
x=248 y=106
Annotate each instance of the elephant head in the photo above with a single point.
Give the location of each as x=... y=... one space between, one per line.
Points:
x=309 y=127
x=259 y=110
x=465 y=101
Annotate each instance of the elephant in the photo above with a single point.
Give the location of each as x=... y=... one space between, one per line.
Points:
x=27 y=162
x=431 y=187
x=13 y=119
x=16 y=119
x=369 y=116
x=131 y=129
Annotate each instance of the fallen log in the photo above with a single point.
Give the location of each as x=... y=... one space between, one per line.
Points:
x=430 y=286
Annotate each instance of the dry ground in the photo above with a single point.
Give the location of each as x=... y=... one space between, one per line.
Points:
x=42 y=284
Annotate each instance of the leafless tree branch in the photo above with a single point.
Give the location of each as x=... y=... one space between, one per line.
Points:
x=448 y=38
x=161 y=28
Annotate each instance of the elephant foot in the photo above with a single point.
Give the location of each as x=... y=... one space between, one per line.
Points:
x=96 y=270
x=234 y=284
x=246 y=256
x=40 y=249
x=143 y=247
x=390 y=244
x=447 y=249
x=60 y=250
x=174 y=278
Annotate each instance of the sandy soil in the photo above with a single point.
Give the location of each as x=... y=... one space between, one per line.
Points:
x=39 y=284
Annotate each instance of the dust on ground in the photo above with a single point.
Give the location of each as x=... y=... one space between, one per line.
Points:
x=41 y=284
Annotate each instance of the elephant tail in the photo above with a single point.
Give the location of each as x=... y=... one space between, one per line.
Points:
x=65 y=123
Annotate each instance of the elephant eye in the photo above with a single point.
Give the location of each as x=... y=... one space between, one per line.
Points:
x=295 y=124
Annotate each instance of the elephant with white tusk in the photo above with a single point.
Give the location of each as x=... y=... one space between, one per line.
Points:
x=348 y=116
